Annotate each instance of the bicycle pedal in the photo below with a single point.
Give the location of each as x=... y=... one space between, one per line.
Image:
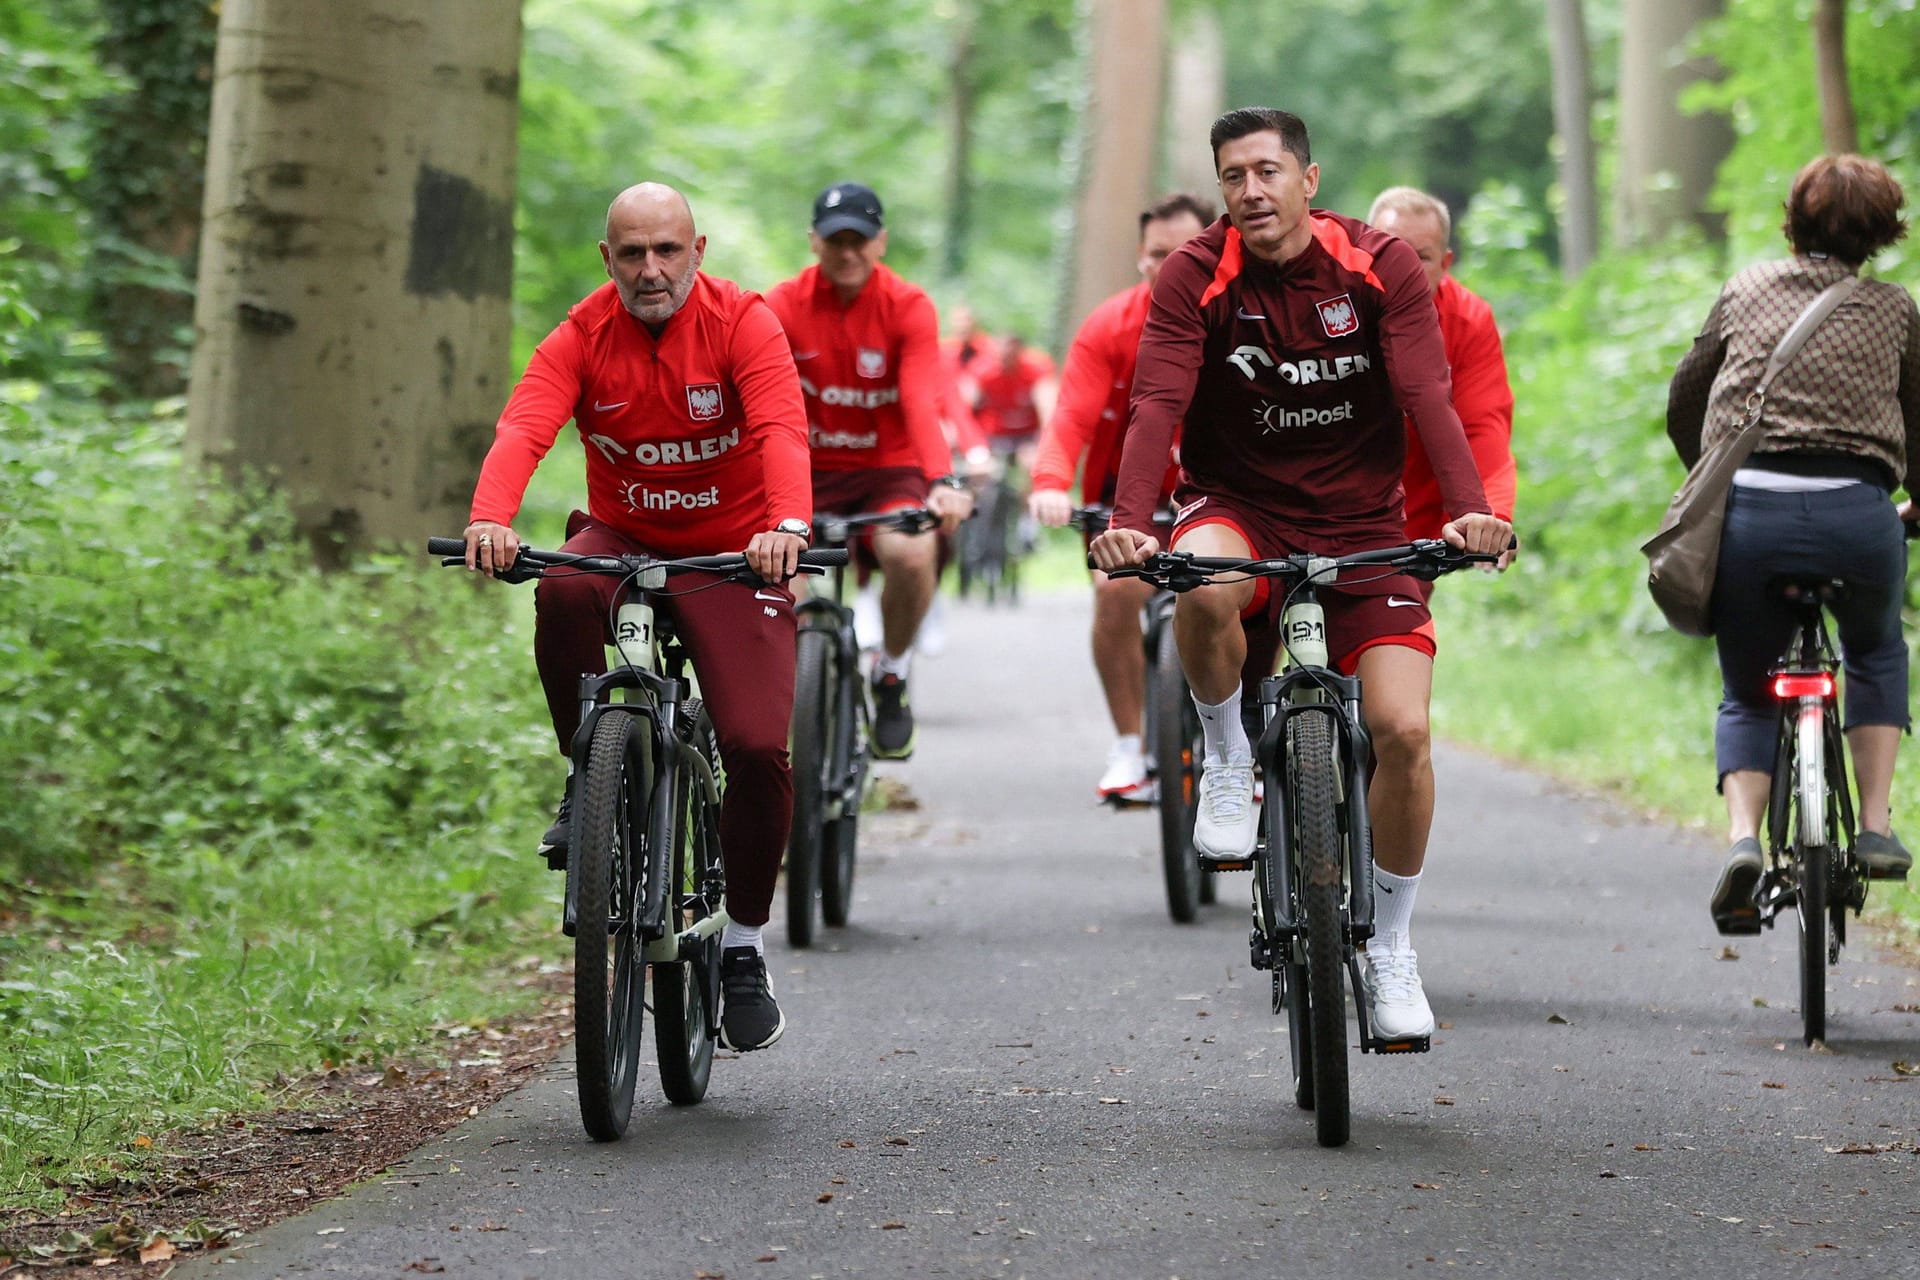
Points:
x=1211 y=862
x=1412 y=1044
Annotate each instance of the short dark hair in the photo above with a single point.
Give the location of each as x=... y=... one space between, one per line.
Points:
x=1846 y=206
x=1242 y=121
x=1173 y=206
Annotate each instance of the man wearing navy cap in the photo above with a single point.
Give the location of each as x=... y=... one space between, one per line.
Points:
x=867 y=347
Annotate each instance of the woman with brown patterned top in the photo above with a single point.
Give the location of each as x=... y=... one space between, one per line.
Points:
x=1842 y=434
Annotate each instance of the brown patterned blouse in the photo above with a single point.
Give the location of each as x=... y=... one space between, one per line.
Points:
x=1853 y=390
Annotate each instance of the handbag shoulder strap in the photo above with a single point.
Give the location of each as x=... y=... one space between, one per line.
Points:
x=1802 y=328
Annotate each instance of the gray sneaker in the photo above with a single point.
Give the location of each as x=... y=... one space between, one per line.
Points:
x=1884 y=857
x=1734 y=910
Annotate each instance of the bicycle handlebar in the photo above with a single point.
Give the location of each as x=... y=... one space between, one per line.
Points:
x=532 y=563
x=832 y=528
x=1096 y=518
x=1425 y=558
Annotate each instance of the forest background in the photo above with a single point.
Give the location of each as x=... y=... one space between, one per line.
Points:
x=245 y=830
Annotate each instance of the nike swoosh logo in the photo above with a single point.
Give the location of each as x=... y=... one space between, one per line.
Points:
x=1248 y=315
x=1395 y=602
x=761 y=595
x=806 y=355
x=608 y=408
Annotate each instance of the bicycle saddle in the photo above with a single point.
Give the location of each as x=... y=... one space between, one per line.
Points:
x=1803 y=589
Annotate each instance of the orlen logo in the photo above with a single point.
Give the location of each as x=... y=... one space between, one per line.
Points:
x=641 y=498
x=666 y=453
x=1298 y=373
x=853 y=397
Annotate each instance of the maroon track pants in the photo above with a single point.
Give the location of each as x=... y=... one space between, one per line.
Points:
x=741 y=639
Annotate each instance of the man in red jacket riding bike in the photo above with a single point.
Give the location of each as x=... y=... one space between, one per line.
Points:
x=683 y=389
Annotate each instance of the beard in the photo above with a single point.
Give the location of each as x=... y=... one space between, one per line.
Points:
x=657 y=307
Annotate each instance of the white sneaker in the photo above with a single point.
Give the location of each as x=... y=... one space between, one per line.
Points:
x=1126 y=775
x=867 y=627
x=1400 y=1008
x=1225 y=823
x=931 y=639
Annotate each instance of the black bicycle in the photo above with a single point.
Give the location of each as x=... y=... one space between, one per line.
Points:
x=993 y=541
x=1811 y=867
x=830 y=746
x=1173 y=738
x=1313 y=860
x=645 y=884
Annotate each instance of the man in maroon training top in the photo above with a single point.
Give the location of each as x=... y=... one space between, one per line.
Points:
x=1288 y=340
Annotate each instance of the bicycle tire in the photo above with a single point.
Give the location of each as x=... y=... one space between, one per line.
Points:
x=840 y=838
x=683 y=1019
x=1177 y=760
x=608 y=1009
x=1810 y=854
x=1319 y=881
x=813 y=669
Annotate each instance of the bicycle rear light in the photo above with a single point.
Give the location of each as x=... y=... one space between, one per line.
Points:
x=1788 y=685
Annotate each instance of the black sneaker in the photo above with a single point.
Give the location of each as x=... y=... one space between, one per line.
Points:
x=892 y=718
x=1734 y=910
x=1884 y=857
x=553 y=845
x=749 y=1016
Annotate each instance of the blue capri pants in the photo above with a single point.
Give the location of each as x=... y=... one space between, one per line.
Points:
x=1852 y=533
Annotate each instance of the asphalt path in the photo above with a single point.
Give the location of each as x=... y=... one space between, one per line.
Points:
x=1012 y=1063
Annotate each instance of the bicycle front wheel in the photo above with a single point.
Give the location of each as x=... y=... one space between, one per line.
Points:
x=610 y=817
x=1177 y=760
x=812 y=722
x=684 y=1016
x=1319 y=889
x=1810 y=854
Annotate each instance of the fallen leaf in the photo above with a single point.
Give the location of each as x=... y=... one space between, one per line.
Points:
x=1641 y=1146
x=767 y=1257
x=159 y=1249
x=430 y=1266
x=143 y=1142
x=1608 y=1173
x=1772 y=1084
x=1426 y=1186
x=893 y=1226
x=1442 y=1101
x=1760 y=1002
x=1112 y=1102
x=899 y=1142
x=848 y=1143
x=1905 y=1069
x=1729 y=953
x=1557 y=1019
x=825 y=1197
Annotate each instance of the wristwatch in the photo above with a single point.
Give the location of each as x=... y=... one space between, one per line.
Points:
x=797 y=527
x=951 y=481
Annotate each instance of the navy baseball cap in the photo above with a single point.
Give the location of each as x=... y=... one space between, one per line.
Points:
x=847 y=206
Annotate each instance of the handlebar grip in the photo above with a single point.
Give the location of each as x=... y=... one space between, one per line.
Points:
x=446 y=546
x=825 y=558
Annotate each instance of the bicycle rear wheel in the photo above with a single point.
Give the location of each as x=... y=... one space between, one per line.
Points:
x=684 y=1016
x=840 y=838
x=610 y=817
x=1177 y=759
x=812 y=722
x=1810 y=854
x=1319 y=885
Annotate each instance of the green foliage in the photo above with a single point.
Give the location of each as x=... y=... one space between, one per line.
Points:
x=1770 y=94
x=256 y=817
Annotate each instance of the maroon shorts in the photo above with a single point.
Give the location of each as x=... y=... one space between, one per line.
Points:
x=866 y=492
x=741 y=638
x=1362 y=612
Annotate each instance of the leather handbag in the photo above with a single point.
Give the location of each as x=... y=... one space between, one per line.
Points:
x=1683 y=555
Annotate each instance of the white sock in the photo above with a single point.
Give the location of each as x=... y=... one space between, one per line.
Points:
x=1226 y=737
x=888 y=665
x=1127 y=742
x=1393 y=909
x=741 y=935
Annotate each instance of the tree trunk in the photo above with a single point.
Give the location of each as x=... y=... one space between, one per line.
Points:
x=962 y=94
x=147 y=155
x=1573 y=130
x=1196 y=96
x=1667 y=158
x=356 y=261
x=1837 y=128
x=1121 y=121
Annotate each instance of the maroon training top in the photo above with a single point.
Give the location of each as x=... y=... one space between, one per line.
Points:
x=1290 y=380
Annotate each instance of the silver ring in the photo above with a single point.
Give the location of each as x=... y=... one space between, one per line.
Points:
x=486 y=539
